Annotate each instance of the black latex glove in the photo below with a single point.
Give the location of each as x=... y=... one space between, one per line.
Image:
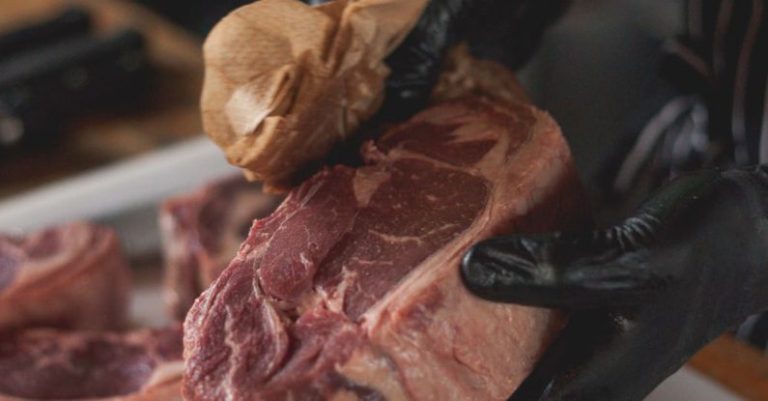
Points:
x=506 y=30
x=645 y=295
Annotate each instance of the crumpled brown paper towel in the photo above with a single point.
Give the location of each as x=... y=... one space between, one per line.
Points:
x=285 y=81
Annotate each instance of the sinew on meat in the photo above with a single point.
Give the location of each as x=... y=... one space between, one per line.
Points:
x=350 y=290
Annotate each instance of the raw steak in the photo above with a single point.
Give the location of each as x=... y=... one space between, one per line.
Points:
x=202 y=232
x=73 y=277
x=43 y=364
x=351 y=290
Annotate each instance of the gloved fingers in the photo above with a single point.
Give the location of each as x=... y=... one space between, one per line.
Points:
x=602 y=357
x=593 y=270
x=507 y=31
x=571 y=349
x=415 y=65
x=624 y=265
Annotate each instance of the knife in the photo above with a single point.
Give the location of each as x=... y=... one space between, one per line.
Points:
x=42 y=90
x=70 y=23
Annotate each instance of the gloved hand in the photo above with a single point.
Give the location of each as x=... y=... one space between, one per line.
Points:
x=505 y=30
x=644 y=295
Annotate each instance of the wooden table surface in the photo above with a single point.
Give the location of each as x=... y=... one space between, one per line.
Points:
x=170 y=114
x=737 y=366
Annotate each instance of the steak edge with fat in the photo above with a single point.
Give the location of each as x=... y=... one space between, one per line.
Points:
x=72 y=276
x=351 y=291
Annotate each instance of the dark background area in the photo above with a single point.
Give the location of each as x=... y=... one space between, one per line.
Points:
x=198 y=16
x=596 y=69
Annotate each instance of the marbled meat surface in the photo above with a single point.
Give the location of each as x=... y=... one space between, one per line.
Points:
x=351 y=289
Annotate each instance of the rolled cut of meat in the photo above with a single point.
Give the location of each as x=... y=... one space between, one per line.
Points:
x=45 y=364
x=202 y=232
x=351 y=289
x=73 y=276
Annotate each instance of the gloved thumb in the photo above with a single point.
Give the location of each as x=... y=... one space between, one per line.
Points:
x=595 y=269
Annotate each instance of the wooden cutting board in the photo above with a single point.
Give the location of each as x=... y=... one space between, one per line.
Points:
x=737 y=366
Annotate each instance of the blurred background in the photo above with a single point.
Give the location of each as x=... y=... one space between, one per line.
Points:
x=89 y=84
x=84 y=83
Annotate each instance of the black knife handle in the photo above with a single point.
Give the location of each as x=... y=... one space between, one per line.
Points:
x=47 y=88
x=72 y=22
x=122 y=51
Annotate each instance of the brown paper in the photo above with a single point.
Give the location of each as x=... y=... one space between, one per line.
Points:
x=285 y=81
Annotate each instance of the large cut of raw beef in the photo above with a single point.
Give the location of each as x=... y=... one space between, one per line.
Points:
x=45 y=364
x=73 y=276
x=202 y=232
x=351 y=289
